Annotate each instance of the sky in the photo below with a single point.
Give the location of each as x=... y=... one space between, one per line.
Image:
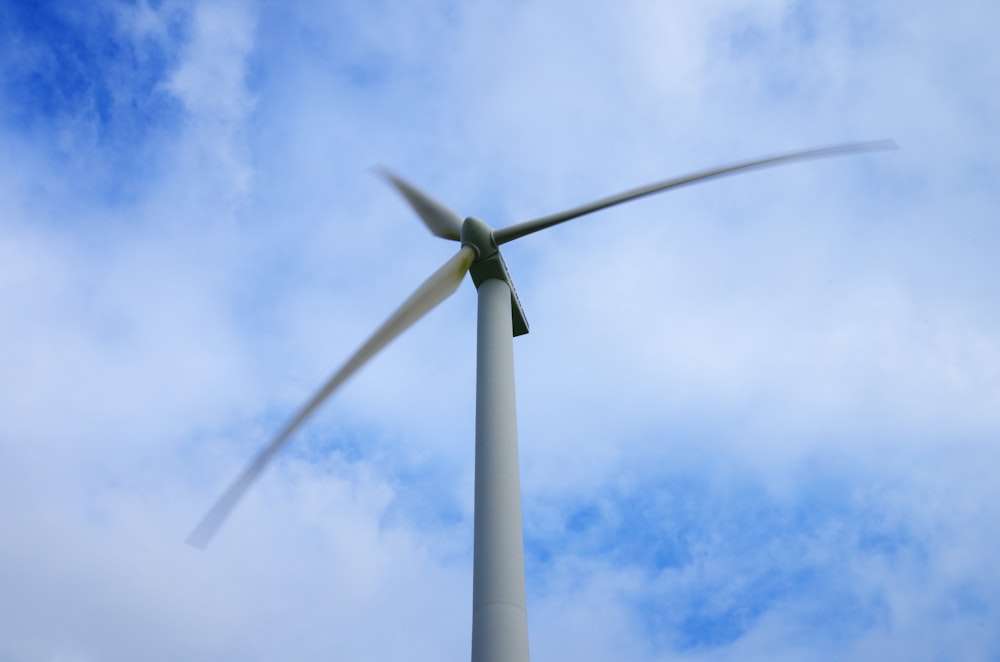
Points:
x=758 y=417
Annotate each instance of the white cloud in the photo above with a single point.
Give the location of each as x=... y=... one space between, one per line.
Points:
x=756 y=415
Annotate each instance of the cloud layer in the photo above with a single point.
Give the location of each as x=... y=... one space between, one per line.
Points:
x=757 y=417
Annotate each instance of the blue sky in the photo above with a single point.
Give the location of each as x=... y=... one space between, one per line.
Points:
x=758 y=417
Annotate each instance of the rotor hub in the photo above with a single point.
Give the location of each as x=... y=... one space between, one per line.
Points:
x=478 y=236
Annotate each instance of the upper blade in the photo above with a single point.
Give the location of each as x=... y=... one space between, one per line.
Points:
x=433 y=291
x=519 y=230
x=441 y=220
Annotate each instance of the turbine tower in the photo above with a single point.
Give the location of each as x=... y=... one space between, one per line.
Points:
x=499 y=609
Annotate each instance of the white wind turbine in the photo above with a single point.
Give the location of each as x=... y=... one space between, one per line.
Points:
x=499 y=621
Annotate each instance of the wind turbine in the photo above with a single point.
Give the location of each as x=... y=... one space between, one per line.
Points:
x=499 y=621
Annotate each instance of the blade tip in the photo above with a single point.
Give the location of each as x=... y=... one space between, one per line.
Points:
x=199 y=539
x=887 y=144
x=884 y=145
x=382 y=172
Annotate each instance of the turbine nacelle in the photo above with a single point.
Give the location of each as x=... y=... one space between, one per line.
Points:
x=489 y=263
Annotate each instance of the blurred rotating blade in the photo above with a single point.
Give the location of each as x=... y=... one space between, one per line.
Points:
x=438 y=218
x=512 y=232
x=435 y=289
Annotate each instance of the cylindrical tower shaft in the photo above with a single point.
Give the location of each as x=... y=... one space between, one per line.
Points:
x=499 y=607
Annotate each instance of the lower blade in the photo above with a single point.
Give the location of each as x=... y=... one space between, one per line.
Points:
x=441 y=284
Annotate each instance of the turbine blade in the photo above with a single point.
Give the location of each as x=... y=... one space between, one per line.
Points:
x=438 y=218
x=434 y=290
x=512 y=232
